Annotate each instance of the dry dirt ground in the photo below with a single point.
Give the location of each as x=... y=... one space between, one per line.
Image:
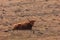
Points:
x=45 y=12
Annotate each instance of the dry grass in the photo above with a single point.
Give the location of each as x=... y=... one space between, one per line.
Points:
x=45 y=12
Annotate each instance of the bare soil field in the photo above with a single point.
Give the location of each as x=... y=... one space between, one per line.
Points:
x=29 y=19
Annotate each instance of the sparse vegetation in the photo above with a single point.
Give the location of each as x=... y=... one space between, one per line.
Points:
x=14 y=23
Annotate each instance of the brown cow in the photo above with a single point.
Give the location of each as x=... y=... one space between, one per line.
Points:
x=27 y=25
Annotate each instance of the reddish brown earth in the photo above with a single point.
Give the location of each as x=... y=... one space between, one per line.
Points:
x=46 y=14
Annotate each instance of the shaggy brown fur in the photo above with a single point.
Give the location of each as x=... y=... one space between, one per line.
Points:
x=24 y=25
